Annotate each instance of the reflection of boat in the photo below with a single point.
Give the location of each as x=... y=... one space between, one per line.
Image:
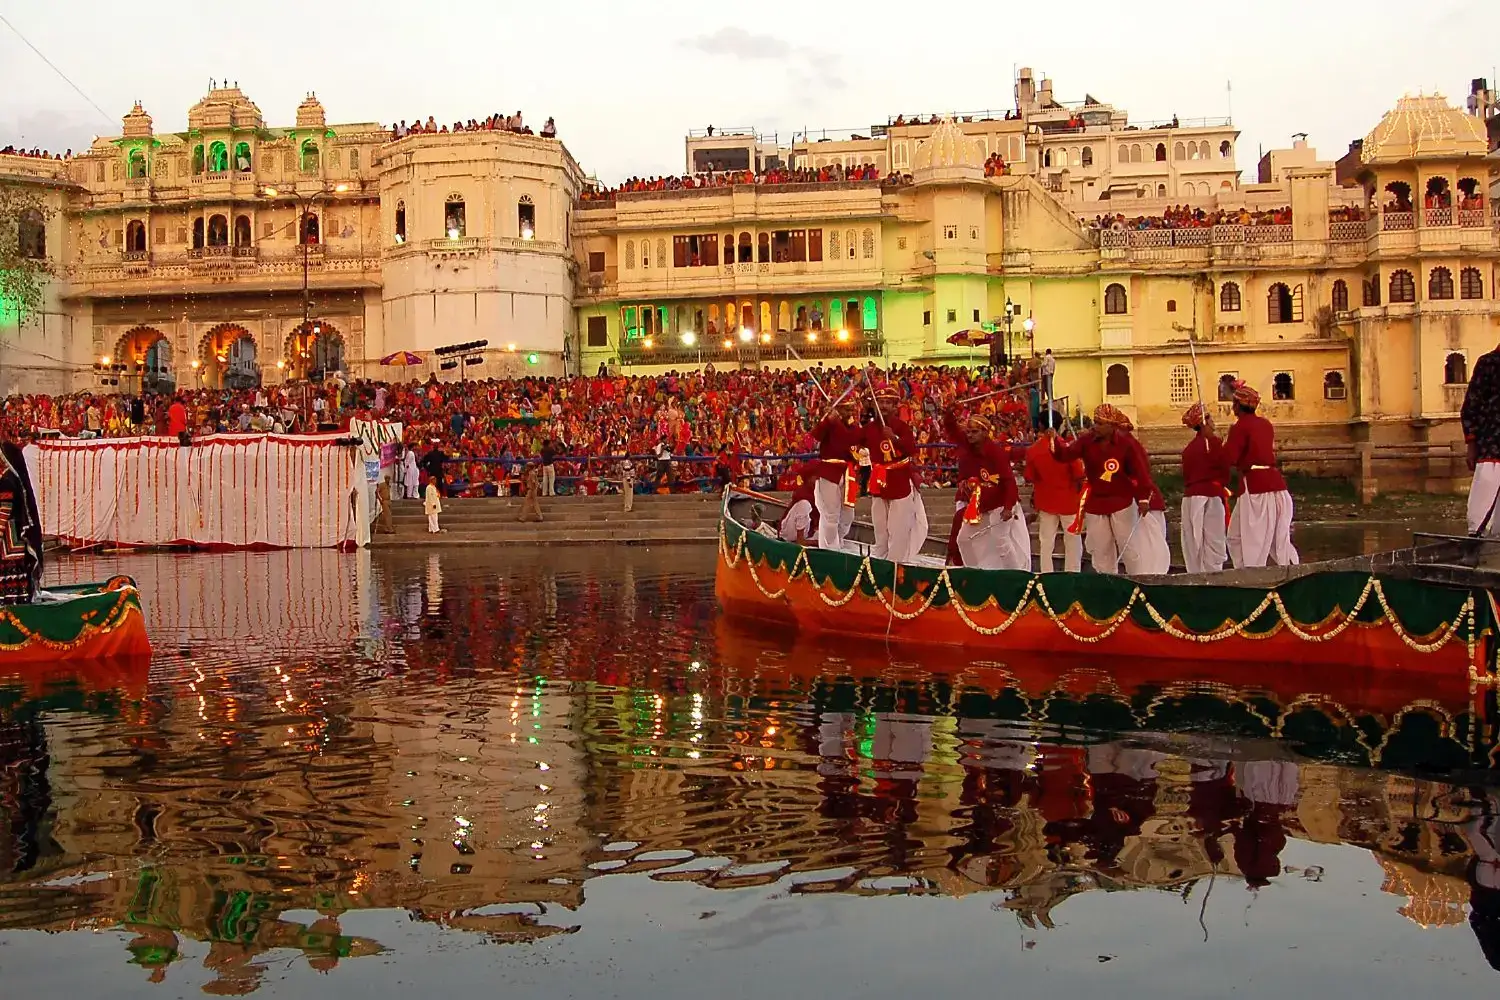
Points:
x=1372 y=611
x=87 y=622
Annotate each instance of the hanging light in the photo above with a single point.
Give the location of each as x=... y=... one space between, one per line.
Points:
x=747 y=335
x=689 y=338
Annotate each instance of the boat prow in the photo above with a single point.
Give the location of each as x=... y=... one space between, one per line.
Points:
x=1426 y=609
x=96 y=621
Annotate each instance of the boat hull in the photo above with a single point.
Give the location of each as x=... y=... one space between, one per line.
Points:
x=845 y=595
x=95 y=622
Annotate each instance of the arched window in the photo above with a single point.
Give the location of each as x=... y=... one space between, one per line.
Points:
x=401 y=222
x=218 y=231
x=867 y=244
x=242 y=230
x=198 y=233
x=1340 y=296
x=218 y=158
x=1046 y=157
x=135 y=236
x=763 y=248
x=1225 y=149
x=1226 y=387
x=849 y=242
x=746 y=251
x=136 y=167
x=1171 y=305
x=197 y=160
x=870 y=317
x=1282 y=386
x=1279 y=304
x=1179 y=151
x=1087 y=157
x=1471 y=283
x=242 y=157
x=526 y=218
x=455 y=219
x=1117 y=381
x=1440 y=283
x=1372 y=291
x=309 y=156
x=1403 y=288
x=1161 y=152
x=308 y=231
x=31 y=234
x=1229 y=297
x=1333 y=385
x=1115 y=301
x=1122 y=154
x=1135 y=152
x=1455 y=369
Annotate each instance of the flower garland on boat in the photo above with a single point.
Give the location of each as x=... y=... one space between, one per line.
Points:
x=66 y=625
x=944 y=588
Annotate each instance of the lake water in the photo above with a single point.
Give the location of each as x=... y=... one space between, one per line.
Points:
x=561 y=774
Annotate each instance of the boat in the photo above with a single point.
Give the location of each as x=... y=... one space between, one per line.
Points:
x=62 y=624
x=1429 y=608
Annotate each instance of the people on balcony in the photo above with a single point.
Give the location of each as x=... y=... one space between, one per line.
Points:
x=35 y=153
x=830 y=174
x=994 y=165
x=1185 y=217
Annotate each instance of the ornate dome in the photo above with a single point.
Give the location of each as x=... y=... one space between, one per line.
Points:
x=948 y=151
x=137 y=124
x=1423 y=127
x=310 y=113
x=224 y=107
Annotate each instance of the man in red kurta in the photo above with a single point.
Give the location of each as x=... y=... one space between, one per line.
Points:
x=1205 y=491
x=993 y=534
x=900 y=519
x=837 y=437
x=800 y=522
x=1118 y=491
x=1260 y=529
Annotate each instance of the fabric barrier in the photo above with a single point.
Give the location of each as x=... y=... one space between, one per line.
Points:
x=222 y=491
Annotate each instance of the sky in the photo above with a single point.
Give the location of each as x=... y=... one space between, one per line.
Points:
x=626 y=79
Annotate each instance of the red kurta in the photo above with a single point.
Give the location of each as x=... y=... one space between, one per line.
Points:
x=1116 y=479
x=836 y=444
x=1251 y=448
x=1205 y=471
x=893 y=457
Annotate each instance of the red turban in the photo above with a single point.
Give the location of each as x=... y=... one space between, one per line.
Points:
x=1104 y=413
x=1245 y=395
x=1194 y=416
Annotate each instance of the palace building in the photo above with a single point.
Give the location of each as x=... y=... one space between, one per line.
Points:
x=237 y=251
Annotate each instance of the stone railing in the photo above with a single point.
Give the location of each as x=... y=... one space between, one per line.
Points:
x=1472 y=218
x=1438 y=216
x=1200 y=236
x=135 y=256
x=1398 y=222
x=245 y=252
x=669 y=350
x=1347 y=231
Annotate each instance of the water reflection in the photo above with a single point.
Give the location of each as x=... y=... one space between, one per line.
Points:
x=485 y=742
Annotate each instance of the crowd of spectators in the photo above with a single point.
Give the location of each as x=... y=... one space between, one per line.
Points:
x=1347 y=213
x=1186 y=217
x=831 y=174
x=494 y=123
x=35 y=153
x=739 y=424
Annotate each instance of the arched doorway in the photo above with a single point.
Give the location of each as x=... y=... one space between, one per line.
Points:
x=147 y=355
x=314 y=349
x=228 y=358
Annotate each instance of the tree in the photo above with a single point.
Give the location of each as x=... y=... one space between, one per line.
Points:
x=25 y=267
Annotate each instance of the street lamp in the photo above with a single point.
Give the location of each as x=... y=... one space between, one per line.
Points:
x=303 y=201
x=1010 y=317
x=1030 y=327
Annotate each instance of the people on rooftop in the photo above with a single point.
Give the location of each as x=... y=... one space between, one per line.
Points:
x=494 y=123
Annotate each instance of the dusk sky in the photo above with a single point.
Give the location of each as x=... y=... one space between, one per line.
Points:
x=626 y=80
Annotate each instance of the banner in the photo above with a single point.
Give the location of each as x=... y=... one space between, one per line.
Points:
x=375 y=434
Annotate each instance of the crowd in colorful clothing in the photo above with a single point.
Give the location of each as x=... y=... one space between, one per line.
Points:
x=494 y=123
x=35 y=153
x=1187 y=217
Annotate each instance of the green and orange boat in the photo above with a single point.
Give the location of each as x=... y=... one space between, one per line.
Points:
x=62 y=624
x=1429 y=608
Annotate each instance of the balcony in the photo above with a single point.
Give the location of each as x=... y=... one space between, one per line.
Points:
x=135 y=256
x=1438 y=216
x=859 y=347
x=1398 y=222
x=245 y=252
x=1473 y=218
x=1347 y=232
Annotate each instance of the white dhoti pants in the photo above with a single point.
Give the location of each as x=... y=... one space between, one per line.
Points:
x=1149 y=553
x=995 y=543
x=900 y=527
x=1105 y=536
x=432 y=524
x=834 y=519
x=1204 y=539
x=1260 y=530
x=1048 y=527
x=1482 y=493
x=796 y=521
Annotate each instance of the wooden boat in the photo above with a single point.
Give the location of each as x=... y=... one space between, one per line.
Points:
x=1429 y=608
x=69 y=624
x=65 y=624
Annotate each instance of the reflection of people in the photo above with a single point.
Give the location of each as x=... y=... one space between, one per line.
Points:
x=1483 y=835
x=1271 y=788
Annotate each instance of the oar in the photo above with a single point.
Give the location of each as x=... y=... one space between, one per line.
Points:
x=998 y=392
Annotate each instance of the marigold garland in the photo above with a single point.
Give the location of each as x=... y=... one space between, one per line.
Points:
x=802 y=566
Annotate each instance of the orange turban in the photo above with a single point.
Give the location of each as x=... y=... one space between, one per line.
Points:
x=1104 y=413
x=1194 y=416
x=1245 y=394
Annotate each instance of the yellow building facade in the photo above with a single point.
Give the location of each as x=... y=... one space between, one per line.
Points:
x=237 y=251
